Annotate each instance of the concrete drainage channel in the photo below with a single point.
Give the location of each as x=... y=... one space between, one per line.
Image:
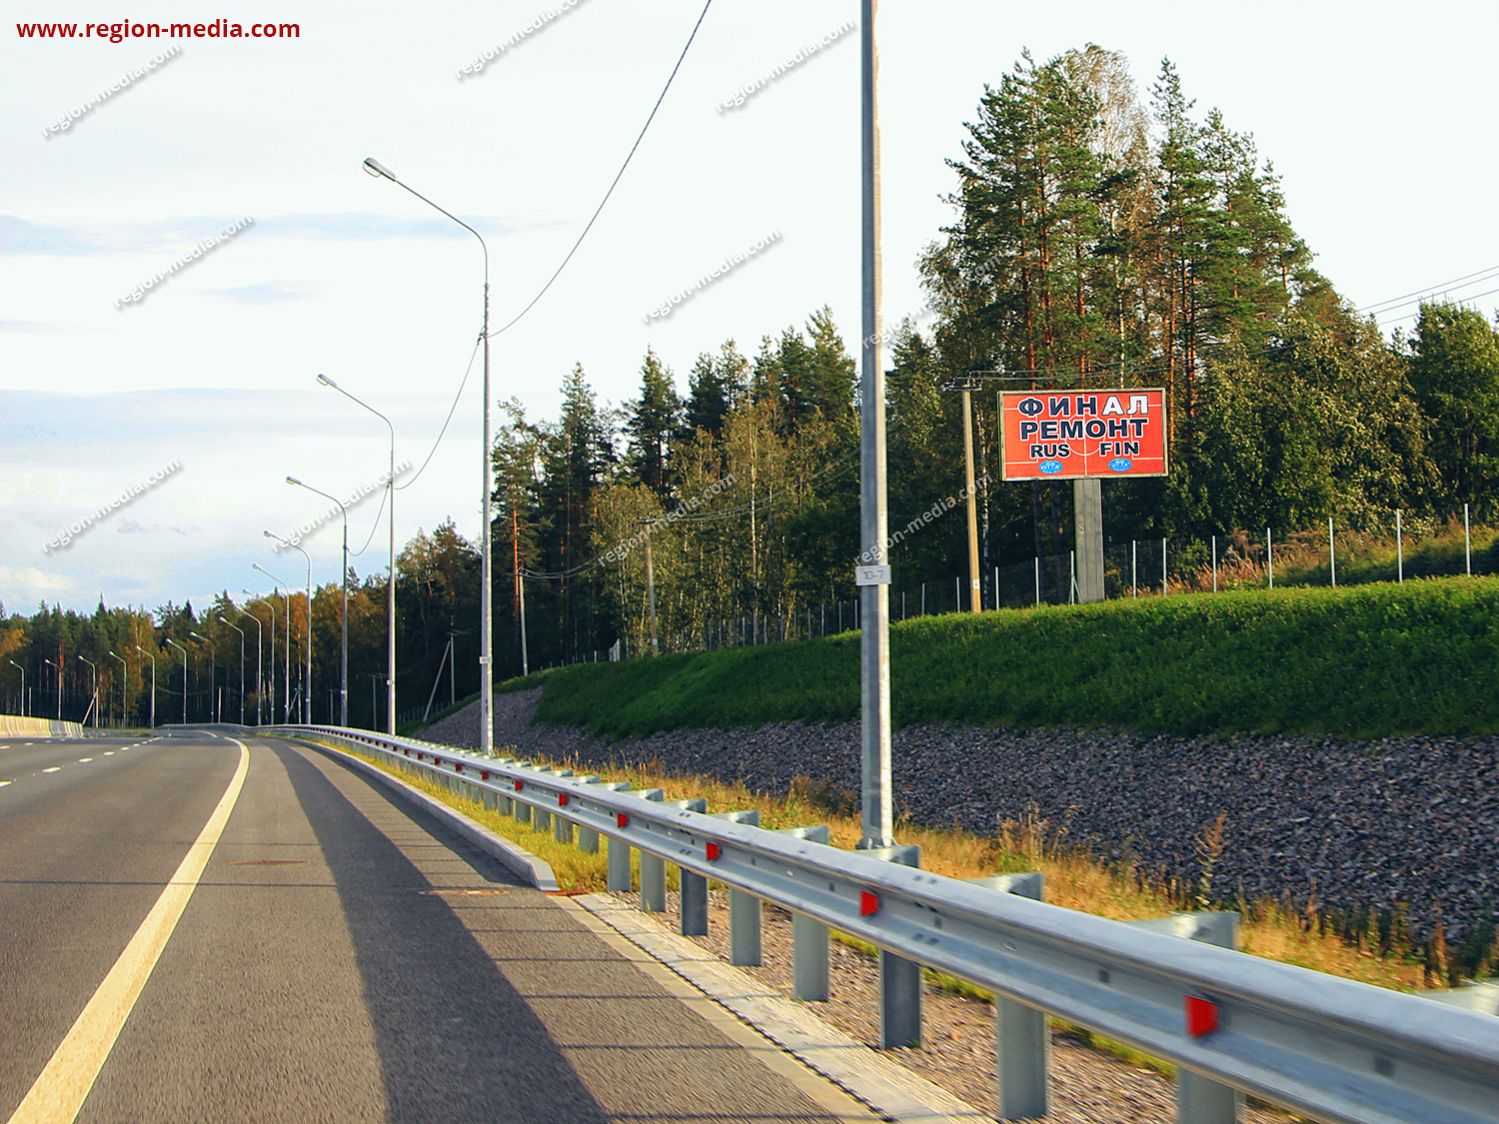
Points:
x=1315 y=1044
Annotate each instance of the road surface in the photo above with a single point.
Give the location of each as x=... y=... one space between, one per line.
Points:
x=199 y=927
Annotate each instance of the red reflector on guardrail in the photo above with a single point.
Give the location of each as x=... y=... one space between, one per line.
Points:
x=1202 y=1016
x=484 y=775
x=562 y=800
x=714 y=851
x=519 y=786
x=621 y=820
x=458 y=766
x=869 y=903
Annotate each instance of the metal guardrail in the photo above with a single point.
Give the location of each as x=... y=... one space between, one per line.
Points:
x=1313 y=1043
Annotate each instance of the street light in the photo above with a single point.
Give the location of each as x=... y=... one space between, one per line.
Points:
x=286 y=670
x=343 y=657
x=22 y=670
x=486 y=591
x=57 y=669
x=259 y=651
x=390 y=599
x=213 y=676
x=241 y=665
x=125 y=690
x=307 y=687
x=152 y=658
x=94 y=705
x=186 y=676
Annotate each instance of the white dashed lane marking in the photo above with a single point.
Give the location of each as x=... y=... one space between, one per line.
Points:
x=53 y=769
x=109 y=753
x=84 y=760
x=4 y=783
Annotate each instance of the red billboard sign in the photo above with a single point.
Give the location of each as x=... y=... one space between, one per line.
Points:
x=1066 y=434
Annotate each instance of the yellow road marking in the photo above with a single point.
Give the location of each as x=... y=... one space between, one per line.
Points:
x=60 y=1090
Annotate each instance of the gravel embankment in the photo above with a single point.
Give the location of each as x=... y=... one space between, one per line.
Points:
x=1401 y=820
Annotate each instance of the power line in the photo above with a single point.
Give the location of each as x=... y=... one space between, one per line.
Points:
x=617 y=177
x=1408 y=315
x=442 y=432
x=1440 y=286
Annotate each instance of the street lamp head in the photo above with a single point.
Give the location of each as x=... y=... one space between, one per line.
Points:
x=375 y=168
x=326 y=381
x=294 y=480
x=195 y=636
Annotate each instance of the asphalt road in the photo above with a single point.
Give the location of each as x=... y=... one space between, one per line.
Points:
x=342 y=957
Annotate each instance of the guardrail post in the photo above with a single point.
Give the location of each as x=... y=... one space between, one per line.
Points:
x=652 y=870
x=588 y=839
x=1022 y=1043
x=541 y=819
x=744 y=910
x=1201 y=1100
x=809 y=938
x=900 y=979
x=562 y=827
x=692 y=920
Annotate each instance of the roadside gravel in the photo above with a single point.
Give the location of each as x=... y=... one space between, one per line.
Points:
x=1395 y=822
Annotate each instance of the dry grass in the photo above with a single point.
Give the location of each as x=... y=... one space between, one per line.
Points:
x=1269 y=929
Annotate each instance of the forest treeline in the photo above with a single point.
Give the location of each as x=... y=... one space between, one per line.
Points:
x=1099 y=237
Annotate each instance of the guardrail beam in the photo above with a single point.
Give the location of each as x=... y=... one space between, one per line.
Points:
x=1199 y=1099
x=588 y=838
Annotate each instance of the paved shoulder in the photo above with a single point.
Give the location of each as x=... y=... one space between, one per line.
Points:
x=346 y=958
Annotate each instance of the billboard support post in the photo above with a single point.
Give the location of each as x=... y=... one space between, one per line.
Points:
x=1087 y=506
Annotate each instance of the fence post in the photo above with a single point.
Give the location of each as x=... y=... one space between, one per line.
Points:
x=809 y=938
x=1215 y=563
x=957 y=594
x=1072 y=577
x=1038 y=581
x=923 y=598
x=1270 y=556
x=1399 y=552
x=996 y=587
x=1332 y=553
x=1134 y=568
x=1467 y=543
x=1163 y=565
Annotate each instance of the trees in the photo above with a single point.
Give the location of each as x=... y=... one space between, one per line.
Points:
x=1454 y=373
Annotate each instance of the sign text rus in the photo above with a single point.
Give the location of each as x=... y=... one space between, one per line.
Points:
x=1067 y=434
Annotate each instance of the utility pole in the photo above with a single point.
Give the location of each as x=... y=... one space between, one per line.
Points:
x=877 y=810
x=520 y=588
x=975 y=597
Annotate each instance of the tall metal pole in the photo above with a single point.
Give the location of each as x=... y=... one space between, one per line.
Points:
x=241 y=667
x=286 y=600
x=22 y=670
x=520 y=588
x=877 y=810
x=650 y=586
x=390 y=592
x=975 y=597
x=152 y=658
x=486 y=453
x=343 y=657
x=185 y=676
x=95 y=704
x=259 y=680
x=125 y=689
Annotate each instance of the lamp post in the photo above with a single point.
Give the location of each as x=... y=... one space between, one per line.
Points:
x=22 y=670
x=241 y=666
x=152 y=658
x=390 y=590
x=186 y=676
x=57 y=669
x=486 y=591
x=343 y=655
x=213 y=675
x=307 y=687
x=286 y=669
x=125 y=690
x=94 y=704
x=259 y=680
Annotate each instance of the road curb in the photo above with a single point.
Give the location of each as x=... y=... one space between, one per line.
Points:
x=534 y=871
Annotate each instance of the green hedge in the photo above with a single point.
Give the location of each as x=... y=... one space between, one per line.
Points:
x=1368 y=661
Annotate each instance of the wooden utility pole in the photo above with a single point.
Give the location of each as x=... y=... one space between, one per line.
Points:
x=975 y=595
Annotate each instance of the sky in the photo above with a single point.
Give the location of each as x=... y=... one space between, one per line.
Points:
x=1376 y=116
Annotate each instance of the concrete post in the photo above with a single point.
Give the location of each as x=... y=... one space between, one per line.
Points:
x=1087 y=514
x=1022 y=1043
